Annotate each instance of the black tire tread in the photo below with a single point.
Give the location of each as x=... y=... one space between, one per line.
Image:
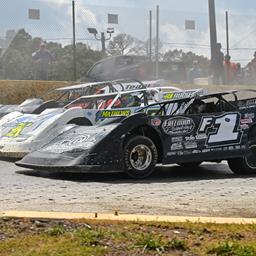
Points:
x=131 y=173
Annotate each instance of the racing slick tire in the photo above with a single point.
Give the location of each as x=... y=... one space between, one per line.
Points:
x=190 y=164
x=140 y=157
x=245 y=165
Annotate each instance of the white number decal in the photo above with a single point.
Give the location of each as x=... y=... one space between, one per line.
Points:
x=221 y=130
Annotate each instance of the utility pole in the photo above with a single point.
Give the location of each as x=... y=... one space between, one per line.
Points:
x=74 y=38
x=213 y=40
x=157 y=41
x=103 y=40
x=227 y=33
x=212 y=24
x=150 y=35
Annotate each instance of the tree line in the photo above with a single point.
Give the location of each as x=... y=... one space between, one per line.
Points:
x=16 y=62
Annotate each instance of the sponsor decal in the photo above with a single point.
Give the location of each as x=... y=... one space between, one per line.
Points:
x=251 y=102
x=181 y=95
x=171 y=153
x=177 y=139
x=16 y=131
x=190 y=138
x=168 y=96
x=196 y=152
x=176 y=146
x=178 y=126
x=136 y=86
x=82 y=141
x=249 y=115
x=113 y=113
x=156 y=122
x=216 y=149
x=201 y=136
x=244 y=126
x=246 y=121
x=74 y=141
x=190 y=144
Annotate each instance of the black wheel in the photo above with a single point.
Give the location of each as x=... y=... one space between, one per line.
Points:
x=190 y=164
x=247 y=164
x=140 y=157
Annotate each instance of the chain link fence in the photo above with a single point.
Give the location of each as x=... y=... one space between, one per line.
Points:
x=26 y=24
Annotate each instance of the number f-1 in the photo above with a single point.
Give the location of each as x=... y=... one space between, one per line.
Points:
x=221 y=130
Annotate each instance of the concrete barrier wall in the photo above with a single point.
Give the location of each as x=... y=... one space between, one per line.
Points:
x=15 y=92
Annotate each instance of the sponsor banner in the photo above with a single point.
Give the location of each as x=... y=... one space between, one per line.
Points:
x=115 y=113
x=178 y=126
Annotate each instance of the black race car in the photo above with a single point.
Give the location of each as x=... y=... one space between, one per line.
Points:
x=186 y=131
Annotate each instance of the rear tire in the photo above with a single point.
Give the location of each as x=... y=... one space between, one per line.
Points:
x=245 y=165
x=140 y=157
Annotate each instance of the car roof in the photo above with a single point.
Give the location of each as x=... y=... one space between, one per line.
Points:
x=130 y=91
x=81 y=86
x=112 y=82
x=205 y=96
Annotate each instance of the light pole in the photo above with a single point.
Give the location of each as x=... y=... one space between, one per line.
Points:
x=74 y=38
x=157 y=41
x=102 y=38
x=213 y=31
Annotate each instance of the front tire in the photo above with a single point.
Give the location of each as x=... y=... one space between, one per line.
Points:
x=140 y=157
x=245 y=165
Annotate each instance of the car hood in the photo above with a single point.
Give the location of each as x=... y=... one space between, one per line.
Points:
x=68 y=149
x=24 y=126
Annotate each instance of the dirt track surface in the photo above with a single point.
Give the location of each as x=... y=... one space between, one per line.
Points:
x=210 y=190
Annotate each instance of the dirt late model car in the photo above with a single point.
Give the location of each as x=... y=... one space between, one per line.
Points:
x=186 y=131
x=59 y=97
x=28 y=132
x=213 y=127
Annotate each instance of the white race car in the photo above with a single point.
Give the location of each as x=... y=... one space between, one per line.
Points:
x=23 y=133
x=61 y=96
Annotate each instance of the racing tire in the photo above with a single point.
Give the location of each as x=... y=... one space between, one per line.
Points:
x=189 y=164
x=245 y=165
x=140 y=157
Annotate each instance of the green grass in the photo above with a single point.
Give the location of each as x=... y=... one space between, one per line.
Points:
x=25 y=238
x=230 y=248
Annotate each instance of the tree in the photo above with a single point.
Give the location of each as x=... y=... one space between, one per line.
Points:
x=188 y=58
x=16 y=62
x=121 y=44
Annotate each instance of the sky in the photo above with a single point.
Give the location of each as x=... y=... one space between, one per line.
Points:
x=55 y=23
